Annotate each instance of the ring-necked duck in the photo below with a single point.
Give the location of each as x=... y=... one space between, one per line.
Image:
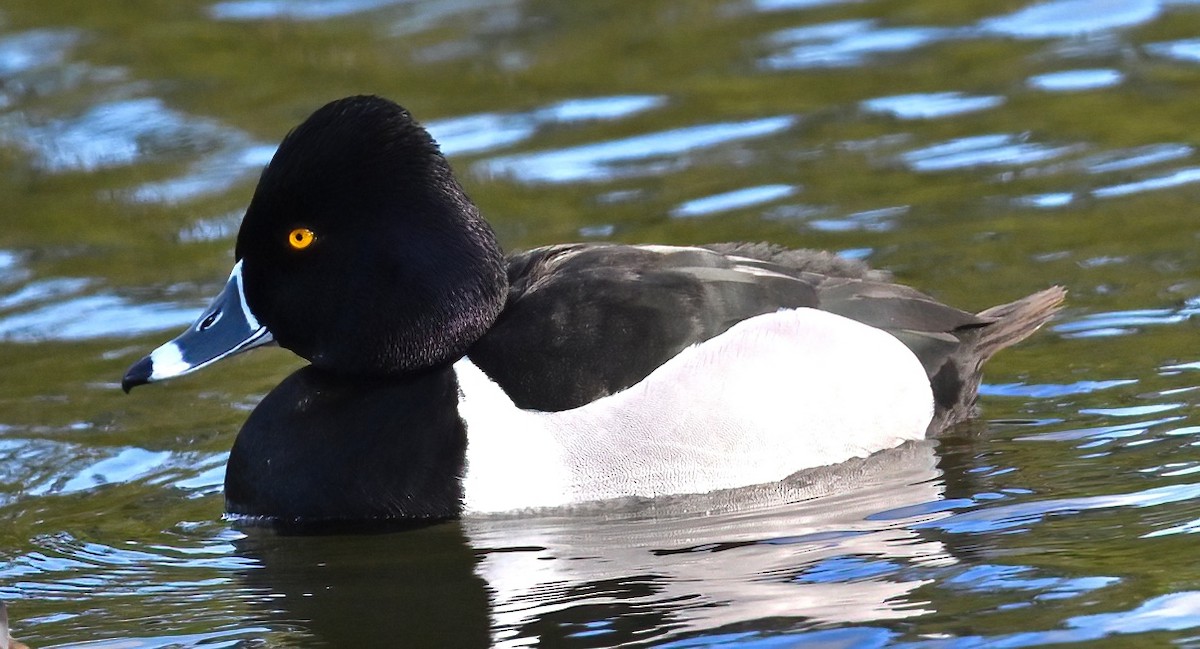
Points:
x=446 y=378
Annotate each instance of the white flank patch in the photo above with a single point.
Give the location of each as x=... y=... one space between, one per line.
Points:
x=774 y=395
x=512 y=461
x=167 y=361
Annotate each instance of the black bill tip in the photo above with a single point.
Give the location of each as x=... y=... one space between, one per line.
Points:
x=137 y=374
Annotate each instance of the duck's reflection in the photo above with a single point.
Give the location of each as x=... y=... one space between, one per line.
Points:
x=411 y=589
x=809 y=550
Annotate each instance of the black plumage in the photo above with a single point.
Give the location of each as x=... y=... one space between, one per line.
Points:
x=402 y=276
x=586 y=320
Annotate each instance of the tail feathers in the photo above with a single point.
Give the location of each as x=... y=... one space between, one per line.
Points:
x=1016 y=321
x=956 y=382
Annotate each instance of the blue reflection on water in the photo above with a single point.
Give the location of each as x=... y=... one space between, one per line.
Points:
x=1001 y=517
x=878 y=220
x=1047 y=201
x=1062 y=18
x=789 y=5
x=490 y=131
x=1172 y=612
x=1076 y=80
x=1049 y=390
x=113 y=134
x=930 y=105
x=294 y=9
x=93 y=316
x=1176 y=178
x=1185 y=50
x=1135 y=157
x=1116 y=431
x=991 y=578
x=728 y=201
x=128 y=464
x=35 y=49
x=847 y=43
x=1118 y=322
x=600 y=161
x=999 y=149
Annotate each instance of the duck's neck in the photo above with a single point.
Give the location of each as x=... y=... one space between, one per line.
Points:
x=322 y=448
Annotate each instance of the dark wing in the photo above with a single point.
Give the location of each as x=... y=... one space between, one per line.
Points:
x=586 y=320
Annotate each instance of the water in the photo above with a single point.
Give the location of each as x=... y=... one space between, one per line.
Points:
x=979 y=150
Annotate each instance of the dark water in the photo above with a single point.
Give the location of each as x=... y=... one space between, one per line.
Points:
x=978 y=149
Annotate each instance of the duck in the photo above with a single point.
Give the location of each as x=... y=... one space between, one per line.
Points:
x=445 y=378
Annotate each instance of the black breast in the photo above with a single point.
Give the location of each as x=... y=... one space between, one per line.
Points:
x=325 y=448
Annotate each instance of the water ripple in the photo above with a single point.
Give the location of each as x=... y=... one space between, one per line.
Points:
x=848 y=43
x=877 y=220
x=1008 y=516
x=212 y=174
x=600 y=161
x=93 y=316
x=1173 y=612
x=112 y=134
x=981 y=150
x=1049 y=390
x=489 y=131
x=1102 y=433
x=1076 y=80
x=930 y=105
x=294 y=9
x=992 y=578
x=791 y=5
x=1115 y=323
x=38 y=48
x=1185 y=176
x=1134 y=157
x=1187 y=50
x=734 y=200
x=1064 y=18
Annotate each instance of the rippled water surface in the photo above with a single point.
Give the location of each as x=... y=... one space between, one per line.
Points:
x=980 y=150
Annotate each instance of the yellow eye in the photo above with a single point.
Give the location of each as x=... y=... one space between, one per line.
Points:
x=300 y=238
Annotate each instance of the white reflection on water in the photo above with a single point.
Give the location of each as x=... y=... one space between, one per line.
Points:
x=1000 y=149
x=994 y=518
x=1046 y=201
x=847 y=43
x=930 y=105
x=1176 y=178
x=127 y=464
x=733 y=200
x=1184 y=50
x=1061 y=18
x=602 y=161
x=112 y=134
x=1134 y=157
x=136 y=131
x=60 y=308
x=489 y=131
x=294 y=9
x=732 y=557
x=790 y=5
x=92 y=316
x=1076 y=80
x=1116 y=323
x=211 y=174
x=35 y=49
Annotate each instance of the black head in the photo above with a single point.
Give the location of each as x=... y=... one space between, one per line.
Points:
x=361 y=252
